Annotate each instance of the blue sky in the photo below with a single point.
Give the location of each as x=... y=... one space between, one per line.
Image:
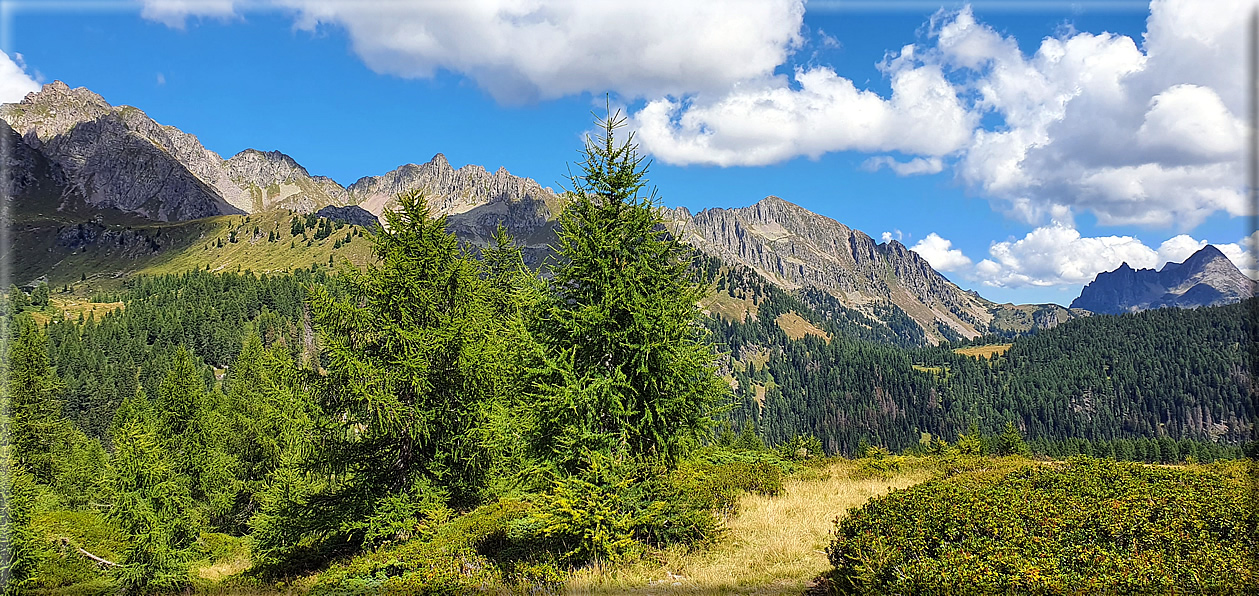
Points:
x=1020 y=147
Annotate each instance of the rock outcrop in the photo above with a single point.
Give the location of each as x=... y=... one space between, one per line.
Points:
x=1206 y=278
x=352 y=214
x=448 y=191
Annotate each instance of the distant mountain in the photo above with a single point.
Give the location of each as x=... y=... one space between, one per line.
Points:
x=120 y=158
x=1206 y=278
x=796 y=248
x=69 y=150
x=274 y=180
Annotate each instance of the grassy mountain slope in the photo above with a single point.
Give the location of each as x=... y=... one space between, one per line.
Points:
x=98 y=253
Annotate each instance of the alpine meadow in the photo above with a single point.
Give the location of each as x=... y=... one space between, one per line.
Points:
x=230 y=376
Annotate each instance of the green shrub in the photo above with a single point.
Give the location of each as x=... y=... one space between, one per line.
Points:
x=717 y=486
x=802 y=448
x=581 y=521
x=1084 y=526
x=68 y=531
x=469 y=553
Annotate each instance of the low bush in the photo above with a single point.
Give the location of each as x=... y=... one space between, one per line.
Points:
x=1083 y=526
x=470 y=553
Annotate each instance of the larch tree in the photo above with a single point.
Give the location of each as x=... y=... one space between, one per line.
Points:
x=410 y=356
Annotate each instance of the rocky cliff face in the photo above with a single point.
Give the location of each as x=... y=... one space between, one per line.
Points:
x=26 y=176
x=795 y=248
x=274 y=180
x=1206 y=278
x=118 y=157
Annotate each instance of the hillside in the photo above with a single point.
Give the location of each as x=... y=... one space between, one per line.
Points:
x=102 y=253
x=1088 y=378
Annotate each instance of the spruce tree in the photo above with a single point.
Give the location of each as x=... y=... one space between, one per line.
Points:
x=629 y=373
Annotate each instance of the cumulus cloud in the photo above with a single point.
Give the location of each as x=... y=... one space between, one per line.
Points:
x=941 y=254
x=1142 y=131
x=14 y=82
x=816 y=112
x=521 y=51
x=1092 y=122
x=1145 y=132
x=1057 y=255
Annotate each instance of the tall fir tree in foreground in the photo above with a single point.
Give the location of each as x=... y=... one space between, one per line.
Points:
x=629 y=373
x=410 y=358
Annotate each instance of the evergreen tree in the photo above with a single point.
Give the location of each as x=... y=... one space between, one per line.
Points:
x=39 y=296
x=409 y=359
x=33 y=390
x=1011 y=442
x=21 y=547
x=154 y=509
x=628 y=371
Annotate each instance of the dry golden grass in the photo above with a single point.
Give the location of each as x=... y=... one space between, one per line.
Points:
x=728 y=307
x=983 y=351
x=775 y=545
x=71 y=308
x=796 y=327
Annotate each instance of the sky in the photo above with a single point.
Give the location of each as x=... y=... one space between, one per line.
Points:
x=1020 y=147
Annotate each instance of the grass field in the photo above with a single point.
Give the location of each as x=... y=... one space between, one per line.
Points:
x=796 y=327
x=983 y=351
x=728 y=307
x=774 y=545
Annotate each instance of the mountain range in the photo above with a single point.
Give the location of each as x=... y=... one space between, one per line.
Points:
x=72 y=157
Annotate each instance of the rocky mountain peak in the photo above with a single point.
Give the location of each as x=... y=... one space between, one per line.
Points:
x=52 y=111
x=796 y=248
x=275 y=180
x=1206 y=278
x=449 y=191
x=118 y=157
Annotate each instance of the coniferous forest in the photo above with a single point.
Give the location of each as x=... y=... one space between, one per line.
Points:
x=446 y=420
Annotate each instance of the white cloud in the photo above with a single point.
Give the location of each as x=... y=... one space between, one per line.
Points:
x=941 y=254
x=771 y=121
x=914 y=167
x=893 y=235
x=175 y=13
x=525 y=50
x=1095 y=123
x=1178 y=248
x=1057 y=255
x=14 y=82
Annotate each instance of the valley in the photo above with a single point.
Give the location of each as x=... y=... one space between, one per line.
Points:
x=232 y=376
